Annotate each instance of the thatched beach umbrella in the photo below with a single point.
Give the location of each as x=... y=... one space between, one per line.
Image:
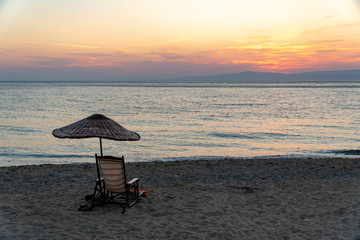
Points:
x=96 y=125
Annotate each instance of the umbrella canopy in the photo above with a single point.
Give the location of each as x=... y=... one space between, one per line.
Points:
x=96 y=125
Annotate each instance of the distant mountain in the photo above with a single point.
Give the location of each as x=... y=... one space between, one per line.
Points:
x=249 y=76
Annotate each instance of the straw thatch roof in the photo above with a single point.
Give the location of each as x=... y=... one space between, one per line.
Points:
x=96 y=125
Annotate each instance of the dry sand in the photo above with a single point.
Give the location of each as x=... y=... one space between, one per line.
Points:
x=227 y=199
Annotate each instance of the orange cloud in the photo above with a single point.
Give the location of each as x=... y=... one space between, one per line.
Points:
x=59 y=44
x=292 y=52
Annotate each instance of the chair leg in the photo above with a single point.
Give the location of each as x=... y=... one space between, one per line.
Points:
x=136 y=194
x=124 y=207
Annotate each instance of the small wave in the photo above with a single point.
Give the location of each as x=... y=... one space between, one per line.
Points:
x=255 y=135
x=231 y=135
x=18 y=129
x=260 y=157
x=241 y=104
x=347 y=152
x=20 y=155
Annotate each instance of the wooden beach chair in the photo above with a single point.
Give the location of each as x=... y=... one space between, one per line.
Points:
x=111 y=185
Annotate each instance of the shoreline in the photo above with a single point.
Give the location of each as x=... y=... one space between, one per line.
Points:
x=197 y=158
x=309 y=198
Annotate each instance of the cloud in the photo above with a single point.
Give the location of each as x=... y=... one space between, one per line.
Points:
x=125 y=53
x=336 y=31
x=307 y=49
x=76 y=59
x=60 y=44
x=73 y=45
x=90 y=54
x=106 y=58
x=166 y=55
x=52 y=61
x=4 y=51
x=289 y=56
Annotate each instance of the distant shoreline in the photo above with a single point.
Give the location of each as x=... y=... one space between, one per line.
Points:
x=242 y=77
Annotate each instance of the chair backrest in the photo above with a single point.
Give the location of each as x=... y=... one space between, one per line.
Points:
x=113 y=171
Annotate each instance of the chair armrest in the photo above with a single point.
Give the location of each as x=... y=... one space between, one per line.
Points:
x=133 y=188
x=132 y=181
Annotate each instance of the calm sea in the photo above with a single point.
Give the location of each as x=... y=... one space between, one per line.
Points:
x=183 y=121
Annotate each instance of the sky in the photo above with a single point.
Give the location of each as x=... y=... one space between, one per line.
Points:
x=160 y=39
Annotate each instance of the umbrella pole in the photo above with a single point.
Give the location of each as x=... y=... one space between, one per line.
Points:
x=101 y=151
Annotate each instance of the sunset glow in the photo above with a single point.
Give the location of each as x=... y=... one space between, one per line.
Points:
x=160 y=39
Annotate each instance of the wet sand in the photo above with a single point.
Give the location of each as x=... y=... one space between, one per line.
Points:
x=207 y=199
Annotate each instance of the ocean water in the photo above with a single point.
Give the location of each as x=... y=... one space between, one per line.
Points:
x=181 y=121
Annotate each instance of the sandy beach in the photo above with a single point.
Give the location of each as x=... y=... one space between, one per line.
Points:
x=206 y=199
